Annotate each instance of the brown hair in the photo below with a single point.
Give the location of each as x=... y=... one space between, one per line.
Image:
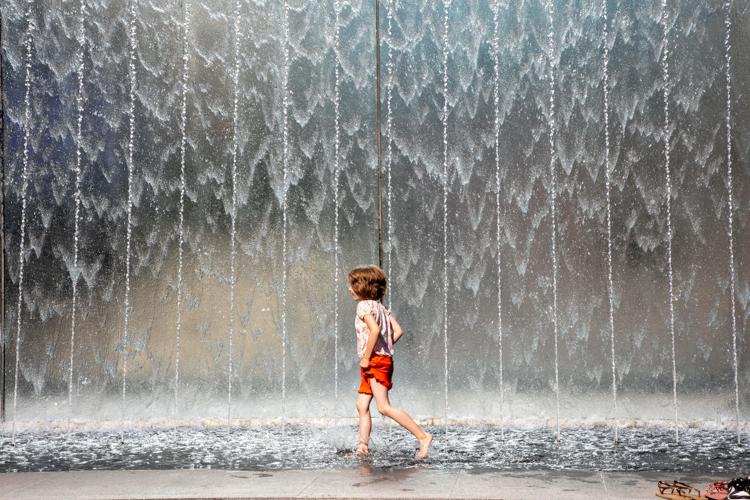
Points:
x=368 y=282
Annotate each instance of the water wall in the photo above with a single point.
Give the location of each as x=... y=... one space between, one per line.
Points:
x=565 y=194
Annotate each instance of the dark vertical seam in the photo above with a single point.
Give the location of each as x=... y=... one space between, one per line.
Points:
x=2 y=223
x=378 y=129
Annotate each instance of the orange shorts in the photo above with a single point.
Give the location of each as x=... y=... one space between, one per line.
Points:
x=381 y=369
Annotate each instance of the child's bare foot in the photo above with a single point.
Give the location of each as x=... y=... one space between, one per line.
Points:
x=424 y=445
x=362 y=449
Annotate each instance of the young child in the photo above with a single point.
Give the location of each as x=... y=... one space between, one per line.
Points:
x=377 y=331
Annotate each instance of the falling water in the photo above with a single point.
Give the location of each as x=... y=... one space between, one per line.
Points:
x=129 y=230
x=727 y=69
x=389 y=145
x=610 y=288
x=665 y=69
x=183 y=122
x=446 y=4
x=553 y=195
x=496 y=49
x=336 y=144
x=423 y=47
x=389 y=152
x=232 y=249
x=285 y=91
x=24 y=183
x=77 y=195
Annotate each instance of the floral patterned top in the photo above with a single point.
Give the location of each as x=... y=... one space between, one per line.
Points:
x=384 y=344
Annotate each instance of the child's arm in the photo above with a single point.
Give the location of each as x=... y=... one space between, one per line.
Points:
x=397 y=330
x=373 y=337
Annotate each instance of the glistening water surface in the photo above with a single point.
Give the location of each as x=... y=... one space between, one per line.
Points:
x=316 y=447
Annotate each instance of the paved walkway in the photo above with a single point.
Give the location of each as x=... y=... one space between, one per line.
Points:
x=365 y=482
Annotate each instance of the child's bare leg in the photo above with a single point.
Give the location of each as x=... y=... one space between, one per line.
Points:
x=380 y=392
x=365 y=421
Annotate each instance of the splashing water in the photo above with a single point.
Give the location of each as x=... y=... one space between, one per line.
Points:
x=131 y=135
x=665 y=71
x=24 y=184
x=446 y=5
x=553 y=195
x=475 y=448
x=610 y=286
x=389 y=151
x=389 y=144
x=285 y=106
x=77 y=196
x=232 y=249
x=183 y=140
x=496 y=95
x=336 y=146
x=727 y=72
x=516 y=271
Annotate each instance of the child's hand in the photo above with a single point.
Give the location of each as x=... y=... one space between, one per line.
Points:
x=364 y=363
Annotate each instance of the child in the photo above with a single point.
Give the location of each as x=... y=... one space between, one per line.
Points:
x=377 y=331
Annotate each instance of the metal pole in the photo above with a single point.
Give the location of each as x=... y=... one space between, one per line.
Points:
x=377 y=129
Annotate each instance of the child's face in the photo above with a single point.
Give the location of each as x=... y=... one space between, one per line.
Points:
x=354 y=295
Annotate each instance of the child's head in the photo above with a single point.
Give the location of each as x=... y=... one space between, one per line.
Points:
x=367 y=282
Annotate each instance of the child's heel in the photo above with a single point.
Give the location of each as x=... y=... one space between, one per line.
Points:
x=362 y=449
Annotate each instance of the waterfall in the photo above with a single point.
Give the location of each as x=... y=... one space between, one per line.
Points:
x=336 y=146
x=389 y=145
x=233 y=236
x=665 y=76
x=446 y=5
x=553 y=195
x=183 y=140
x=610 y=286
x=285 y=91
x=727 y=72
x=496 y=97
x=77 y=199
x=131 y=135
x=97 y=230
x=24 y=184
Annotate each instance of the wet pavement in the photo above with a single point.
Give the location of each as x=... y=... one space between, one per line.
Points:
x=364 y=481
